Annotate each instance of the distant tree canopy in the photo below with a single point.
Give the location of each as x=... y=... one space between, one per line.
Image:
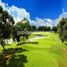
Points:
x=62 y=29
x=33 y=28
x=6 y=23
x=54 y=29
x=44 y=28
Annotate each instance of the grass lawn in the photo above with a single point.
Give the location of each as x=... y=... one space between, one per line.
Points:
x=45 y=52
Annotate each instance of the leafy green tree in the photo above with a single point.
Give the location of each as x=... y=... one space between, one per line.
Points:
x=54 y=29
x=15 y=30
x=62 y=30
x=40 y=28
x=48 y=28
x=22 y=26
x=6 y=23
x=44 y=28
x=33 y=28
x=65 y=31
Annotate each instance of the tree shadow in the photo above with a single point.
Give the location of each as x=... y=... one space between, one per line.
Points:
x=66 y=44
x=17 y=61
x=14 y=50
x=28 y=43
x=10 y=59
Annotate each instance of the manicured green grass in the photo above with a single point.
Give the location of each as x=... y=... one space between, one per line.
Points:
x=45 y=52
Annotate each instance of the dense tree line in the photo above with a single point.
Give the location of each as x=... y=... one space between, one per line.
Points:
x=62 y=29
x=33 y=28
x=44 y=28
x=54 y=29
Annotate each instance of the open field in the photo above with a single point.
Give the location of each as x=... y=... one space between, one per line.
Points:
x=44 y=52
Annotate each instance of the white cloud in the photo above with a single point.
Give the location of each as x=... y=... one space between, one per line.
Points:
x=49 y=22
x=62 y=15
x=20 y=13
x=17 y=13
x=41 y=22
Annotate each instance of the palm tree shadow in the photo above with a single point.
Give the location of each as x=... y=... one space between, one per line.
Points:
x=9 y=59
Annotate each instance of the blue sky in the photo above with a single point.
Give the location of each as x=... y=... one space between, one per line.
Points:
x=40 y=8
x=38 y=12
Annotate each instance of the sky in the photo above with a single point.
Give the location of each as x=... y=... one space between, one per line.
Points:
x=39 y=8
x=42 y=12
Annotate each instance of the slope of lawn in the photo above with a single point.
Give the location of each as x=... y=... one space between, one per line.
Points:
x=44 y=52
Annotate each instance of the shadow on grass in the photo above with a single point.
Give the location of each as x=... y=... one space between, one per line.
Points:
x=10 y=59
x=66 y=44
x=28 y=43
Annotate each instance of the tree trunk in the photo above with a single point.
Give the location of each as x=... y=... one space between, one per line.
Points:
x=18 y=43
x=23 y=40
x=2 y=44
